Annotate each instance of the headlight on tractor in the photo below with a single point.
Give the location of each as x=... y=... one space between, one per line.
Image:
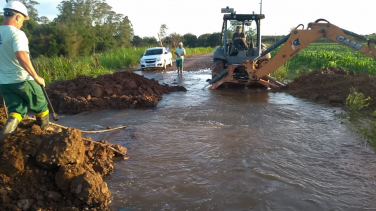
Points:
x=159 y=59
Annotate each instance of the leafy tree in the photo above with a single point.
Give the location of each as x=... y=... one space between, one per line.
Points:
x=44 y=20
x=162 y=31
x=149 y=41
x=190 y=40
x=202 y=40
x=175 y=38
x=136 y=41
x=51 y=41
x=92 y=26
x=124 y=32
x=213 y=39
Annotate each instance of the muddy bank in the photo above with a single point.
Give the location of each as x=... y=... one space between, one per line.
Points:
x=332 y=85
x=62 y=171
x=111 y=91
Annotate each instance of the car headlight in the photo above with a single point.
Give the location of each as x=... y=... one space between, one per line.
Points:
x=159 y=59
x=142 y=60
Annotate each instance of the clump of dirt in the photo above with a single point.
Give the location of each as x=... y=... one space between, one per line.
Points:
x=54 y=171
x=332 y=85
x=111 y=91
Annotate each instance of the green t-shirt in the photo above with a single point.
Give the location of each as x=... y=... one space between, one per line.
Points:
x=11 y=41
x=179 y=51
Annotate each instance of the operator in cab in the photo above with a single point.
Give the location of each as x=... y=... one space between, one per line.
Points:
x=238 y=35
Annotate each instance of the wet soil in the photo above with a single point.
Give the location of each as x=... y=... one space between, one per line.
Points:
x=332 y=86
x=42 y=170
x=111 y=91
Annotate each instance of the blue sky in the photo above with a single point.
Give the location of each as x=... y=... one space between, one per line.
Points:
x=203 y=16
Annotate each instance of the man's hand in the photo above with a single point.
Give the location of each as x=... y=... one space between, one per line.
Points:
x=40 y=81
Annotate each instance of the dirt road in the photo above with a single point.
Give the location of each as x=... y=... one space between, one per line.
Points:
x=196 y=62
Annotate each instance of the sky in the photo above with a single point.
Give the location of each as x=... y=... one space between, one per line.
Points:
x=204 y=16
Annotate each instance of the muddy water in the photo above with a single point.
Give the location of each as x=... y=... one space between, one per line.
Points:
x=231 y=149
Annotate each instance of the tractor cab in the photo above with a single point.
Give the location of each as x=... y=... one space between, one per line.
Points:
x=236 y=51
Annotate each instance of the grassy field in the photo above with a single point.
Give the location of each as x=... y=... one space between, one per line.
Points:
x=60 y=68
x=318 y=56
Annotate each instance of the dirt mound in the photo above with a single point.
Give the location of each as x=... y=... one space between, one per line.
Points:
x=62 y=171
x=111 y=91
x=332 y=85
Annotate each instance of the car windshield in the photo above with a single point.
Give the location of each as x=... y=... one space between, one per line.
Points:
x=153 y=52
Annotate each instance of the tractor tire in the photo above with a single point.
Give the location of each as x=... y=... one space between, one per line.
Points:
x=217 y=67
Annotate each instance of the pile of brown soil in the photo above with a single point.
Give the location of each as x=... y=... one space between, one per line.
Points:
x=54 y=171
x=111 y=91
x=332 y=85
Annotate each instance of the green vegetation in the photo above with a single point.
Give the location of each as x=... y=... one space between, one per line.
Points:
x=356 y=101
x=281 y=73
x=321 y=55
x=361 y=121
x=60 y=68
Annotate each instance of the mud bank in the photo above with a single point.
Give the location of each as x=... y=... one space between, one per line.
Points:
x=111 y=91
x=332 y=86
x=62 y=171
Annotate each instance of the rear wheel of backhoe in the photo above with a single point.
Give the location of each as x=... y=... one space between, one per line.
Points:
x=217 y=67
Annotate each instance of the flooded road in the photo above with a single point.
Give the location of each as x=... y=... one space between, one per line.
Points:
x=230 y=149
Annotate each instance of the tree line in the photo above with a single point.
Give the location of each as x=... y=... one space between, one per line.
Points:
x=190 y=40
x=82 y=27
x=85 y=27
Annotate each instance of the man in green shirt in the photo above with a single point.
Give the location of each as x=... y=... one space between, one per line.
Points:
x=20 y=85
x=180 y=53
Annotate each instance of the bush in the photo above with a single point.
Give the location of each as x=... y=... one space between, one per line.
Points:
x=356 y=101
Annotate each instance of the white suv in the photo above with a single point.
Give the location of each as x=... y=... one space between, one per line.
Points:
x=157 y=57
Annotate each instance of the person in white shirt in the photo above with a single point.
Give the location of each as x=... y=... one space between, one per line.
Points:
x=20 y=85
x=180 y=53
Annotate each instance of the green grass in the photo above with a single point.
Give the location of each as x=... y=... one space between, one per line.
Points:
x=360 y=120
x=60 y=68
x=321 y=55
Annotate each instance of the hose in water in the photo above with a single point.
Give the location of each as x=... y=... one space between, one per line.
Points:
x=86 y=131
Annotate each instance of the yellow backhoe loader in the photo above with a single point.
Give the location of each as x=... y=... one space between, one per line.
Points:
x=245 y=64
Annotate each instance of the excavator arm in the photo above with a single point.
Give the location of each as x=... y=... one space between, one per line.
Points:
x=258 y=70
x=298 y=39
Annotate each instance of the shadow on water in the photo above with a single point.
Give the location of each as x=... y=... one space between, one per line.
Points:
x=233 y=149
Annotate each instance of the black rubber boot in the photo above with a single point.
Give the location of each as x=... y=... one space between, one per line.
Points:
x=9 y=128
x=44 y=123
